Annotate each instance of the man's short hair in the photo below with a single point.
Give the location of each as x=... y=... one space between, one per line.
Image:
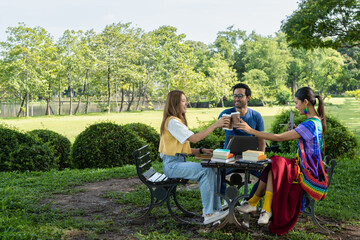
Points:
x=242 y=85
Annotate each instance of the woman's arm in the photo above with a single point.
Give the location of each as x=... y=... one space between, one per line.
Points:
x=201 y=135
x=195 y=151
x=286 y=136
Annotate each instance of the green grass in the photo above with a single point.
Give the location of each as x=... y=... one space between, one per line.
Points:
x=346 y=110
x=23 y=217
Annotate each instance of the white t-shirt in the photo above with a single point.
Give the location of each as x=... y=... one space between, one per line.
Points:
x=179 y=130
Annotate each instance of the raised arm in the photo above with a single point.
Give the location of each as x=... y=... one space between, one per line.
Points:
x=286 y=136
x=201 y=135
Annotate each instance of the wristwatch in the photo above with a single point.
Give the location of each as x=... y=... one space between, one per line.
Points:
x=201 y=150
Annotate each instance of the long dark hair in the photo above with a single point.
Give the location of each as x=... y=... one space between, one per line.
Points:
x=172 y=108
x=307 y=93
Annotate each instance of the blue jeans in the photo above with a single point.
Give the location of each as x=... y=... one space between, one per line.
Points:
x=177 y=167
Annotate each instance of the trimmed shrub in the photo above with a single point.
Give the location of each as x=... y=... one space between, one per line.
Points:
x=105 y=145
x=60 y=144
x=339 y=141
x=149 y=134
x=22 y=152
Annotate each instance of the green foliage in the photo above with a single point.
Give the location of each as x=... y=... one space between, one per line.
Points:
x=22 y=152
x=60 y=144
x=213 y=139
x=339 y=141
x=283 y=95
x=323 y=23
x=354 y=93
x=149 y=134
x=105 y=145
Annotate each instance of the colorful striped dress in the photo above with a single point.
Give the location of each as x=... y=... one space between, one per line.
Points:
x=290 y=181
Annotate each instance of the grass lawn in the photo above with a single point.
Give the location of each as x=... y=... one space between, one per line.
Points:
x=346 y=110
x=24 y=215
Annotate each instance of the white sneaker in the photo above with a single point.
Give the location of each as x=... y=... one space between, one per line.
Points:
x=264 y=217
x=215 y=216
x=246 y=207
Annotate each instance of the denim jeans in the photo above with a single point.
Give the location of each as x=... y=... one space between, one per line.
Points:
x=177 y=167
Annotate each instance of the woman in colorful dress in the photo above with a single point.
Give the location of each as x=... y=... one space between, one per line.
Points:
x=284 y=181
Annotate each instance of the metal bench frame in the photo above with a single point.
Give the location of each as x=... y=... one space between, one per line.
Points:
x=329 y=165
x=161 y=187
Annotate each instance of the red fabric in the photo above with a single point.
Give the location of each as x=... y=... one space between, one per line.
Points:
x=287 y=196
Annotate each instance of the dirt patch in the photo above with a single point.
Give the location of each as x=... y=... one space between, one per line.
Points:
x=90 y=201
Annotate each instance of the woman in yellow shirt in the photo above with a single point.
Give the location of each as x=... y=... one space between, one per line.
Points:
x=175 y=146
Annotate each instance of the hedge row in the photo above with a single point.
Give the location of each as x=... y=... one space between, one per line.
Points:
x=100 y=145
x=107 y=144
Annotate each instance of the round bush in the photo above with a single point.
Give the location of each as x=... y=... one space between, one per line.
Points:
x=60 y=144
x=104 y=145
x=339 y=141
x=149 y=134
x=8 y=142
x=22 y=152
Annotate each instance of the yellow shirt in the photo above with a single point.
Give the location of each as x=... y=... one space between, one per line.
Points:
x=169 y=145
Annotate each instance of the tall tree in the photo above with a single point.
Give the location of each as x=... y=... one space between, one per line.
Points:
x=68 y=46
x=87 y=65
x=228 y=42
x=327 y=68
x=219 y=81
x=270 y=55
x=114 y=44
x=21 y=54
x=324 y=23
x=175 y=58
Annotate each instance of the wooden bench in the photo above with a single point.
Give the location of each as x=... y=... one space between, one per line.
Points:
x=161 y=187
x=329 y=165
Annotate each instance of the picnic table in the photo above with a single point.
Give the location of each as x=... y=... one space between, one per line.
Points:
x=232 y=196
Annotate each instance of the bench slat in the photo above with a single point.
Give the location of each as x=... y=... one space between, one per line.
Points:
x=145 y=167
x=149 y=173
x=143 y=158
x=155 y=177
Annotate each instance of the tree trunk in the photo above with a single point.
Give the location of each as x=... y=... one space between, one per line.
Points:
x=132 y=98
x=59 y=97
x=109 y=92
x=70 y=92
x=86 y=89
x=21 y=107
x=122 y=99
x=116 y=98
x=87 y=104
x=138 y=100
x=80 y=97
x=27 y=104
x=47 y=112
x=77 y=106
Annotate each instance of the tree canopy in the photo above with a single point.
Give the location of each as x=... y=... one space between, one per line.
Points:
x=324 y=23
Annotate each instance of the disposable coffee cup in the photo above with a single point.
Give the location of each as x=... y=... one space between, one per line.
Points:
x=235 y=116
x=229 y=126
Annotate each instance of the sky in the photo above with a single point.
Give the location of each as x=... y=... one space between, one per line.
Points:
x=199 y=20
